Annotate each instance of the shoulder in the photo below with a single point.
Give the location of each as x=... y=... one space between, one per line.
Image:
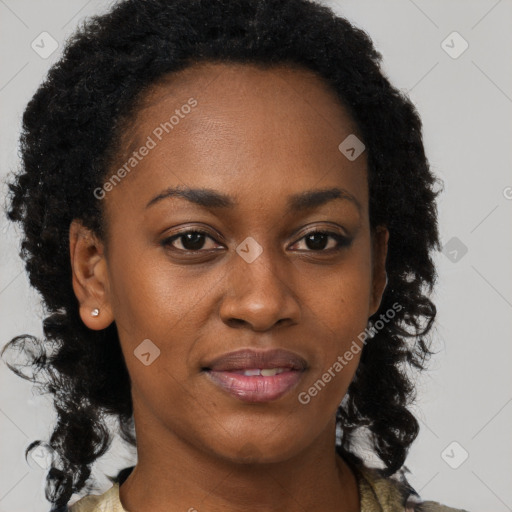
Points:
x=434 y=506
x=393 y=493
x=106 y=502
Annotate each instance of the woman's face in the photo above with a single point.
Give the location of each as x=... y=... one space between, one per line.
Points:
x=257 y=147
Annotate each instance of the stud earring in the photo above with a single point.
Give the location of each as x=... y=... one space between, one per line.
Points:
x=95 y=312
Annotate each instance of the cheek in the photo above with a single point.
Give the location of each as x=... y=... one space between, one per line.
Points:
x=151 y=296
x=169 y=306
x=339 y=296
x=338 y=306
x=334 y=365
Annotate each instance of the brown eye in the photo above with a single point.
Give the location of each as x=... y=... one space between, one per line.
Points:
x=318 y=241
x=188 y=240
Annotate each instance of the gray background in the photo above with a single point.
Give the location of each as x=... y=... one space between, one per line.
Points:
x=466 y=105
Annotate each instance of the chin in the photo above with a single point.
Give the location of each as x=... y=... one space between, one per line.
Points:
x=255 y=450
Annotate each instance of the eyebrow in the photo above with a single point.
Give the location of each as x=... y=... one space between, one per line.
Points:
x=210 y=199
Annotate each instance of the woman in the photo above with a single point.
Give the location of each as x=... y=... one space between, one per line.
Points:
x=230 y=216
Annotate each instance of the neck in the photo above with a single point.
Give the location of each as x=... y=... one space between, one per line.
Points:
x=173 y=475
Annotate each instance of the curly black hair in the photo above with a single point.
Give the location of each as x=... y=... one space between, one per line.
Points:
x=71 y=131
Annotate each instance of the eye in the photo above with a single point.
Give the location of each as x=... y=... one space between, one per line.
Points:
x=189 y=241
x=318 y=241
x=195 y=240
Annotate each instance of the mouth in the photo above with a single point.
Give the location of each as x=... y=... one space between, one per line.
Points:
x=256 y=376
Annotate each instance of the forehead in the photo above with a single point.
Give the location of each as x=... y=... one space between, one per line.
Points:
x=243 y=80
x=244 y=129
x=241 y=94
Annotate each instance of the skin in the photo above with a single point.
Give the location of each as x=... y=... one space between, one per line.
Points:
x=258 y=135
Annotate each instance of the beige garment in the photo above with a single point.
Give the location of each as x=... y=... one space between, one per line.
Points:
x=389 y=495
x=376 y=495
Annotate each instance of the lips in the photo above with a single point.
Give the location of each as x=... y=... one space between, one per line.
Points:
x=256 y=376
x=247 y=359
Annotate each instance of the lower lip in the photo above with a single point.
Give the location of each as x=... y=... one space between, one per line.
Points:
x=256 y=388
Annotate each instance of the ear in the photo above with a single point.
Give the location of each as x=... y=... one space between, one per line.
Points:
x=379 y=253
x=89 y=276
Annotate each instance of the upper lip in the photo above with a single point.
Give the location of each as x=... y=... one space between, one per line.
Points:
x=249 y=358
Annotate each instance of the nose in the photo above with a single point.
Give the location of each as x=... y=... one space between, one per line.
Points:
x=259 y=294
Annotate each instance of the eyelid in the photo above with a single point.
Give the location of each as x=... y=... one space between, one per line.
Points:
x=168 y=240
x=331 y=229
x=341 y=239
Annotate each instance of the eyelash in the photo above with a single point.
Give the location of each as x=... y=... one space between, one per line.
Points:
x=342 y=241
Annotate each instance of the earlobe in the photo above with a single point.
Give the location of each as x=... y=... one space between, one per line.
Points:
x=379 y=274
x=89 y=276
